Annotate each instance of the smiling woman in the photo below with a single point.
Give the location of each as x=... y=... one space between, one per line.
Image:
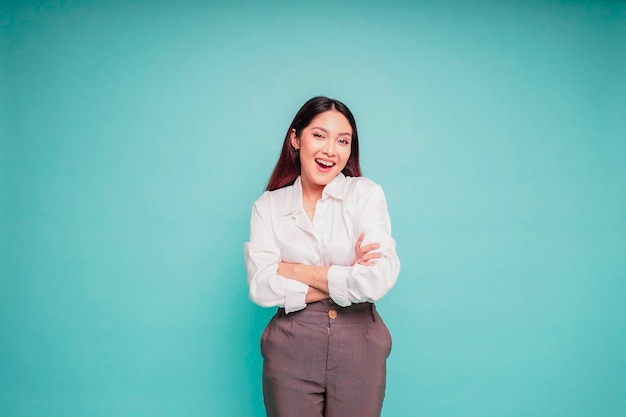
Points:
x=324 y=148
x=321 y=250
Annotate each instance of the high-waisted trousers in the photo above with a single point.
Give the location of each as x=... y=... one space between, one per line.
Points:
x=325 y=361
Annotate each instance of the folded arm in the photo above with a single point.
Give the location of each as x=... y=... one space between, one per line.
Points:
x=262 y=257
x=368 y=283
x=291 y=285
x=316 y=277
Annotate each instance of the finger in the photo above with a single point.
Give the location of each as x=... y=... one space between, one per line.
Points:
x=359 y=241
x=357 y=248
x=370 y=247
x=371 y=256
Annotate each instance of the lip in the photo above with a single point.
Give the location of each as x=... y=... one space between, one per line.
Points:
x=324 y=169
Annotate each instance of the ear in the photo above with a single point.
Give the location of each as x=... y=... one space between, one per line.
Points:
x=295 y=141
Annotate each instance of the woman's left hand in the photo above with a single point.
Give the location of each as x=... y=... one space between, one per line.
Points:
x=365 y=255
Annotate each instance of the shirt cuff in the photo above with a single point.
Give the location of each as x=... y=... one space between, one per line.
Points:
x=295 y=295
x=337 y=284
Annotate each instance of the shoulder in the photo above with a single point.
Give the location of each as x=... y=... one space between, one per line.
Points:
x=275 y=198
x=358 y=187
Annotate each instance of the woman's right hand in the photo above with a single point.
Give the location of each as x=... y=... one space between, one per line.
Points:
x=365 y=255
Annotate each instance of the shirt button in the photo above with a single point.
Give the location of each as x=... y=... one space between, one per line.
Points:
x=332 y=314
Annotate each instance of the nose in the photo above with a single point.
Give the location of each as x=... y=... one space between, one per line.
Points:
x=329 y=149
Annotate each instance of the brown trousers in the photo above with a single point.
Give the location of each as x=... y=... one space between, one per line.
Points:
x=325 y=361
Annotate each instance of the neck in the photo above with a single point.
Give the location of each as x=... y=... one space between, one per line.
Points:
x=311 y=192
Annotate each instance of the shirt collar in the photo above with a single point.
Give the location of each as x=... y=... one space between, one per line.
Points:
x=337 y=188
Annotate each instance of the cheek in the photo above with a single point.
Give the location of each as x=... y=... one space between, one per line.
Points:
x=308 y=147
x=345 y=155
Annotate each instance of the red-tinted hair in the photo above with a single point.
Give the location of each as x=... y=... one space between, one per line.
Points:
x=288 y=167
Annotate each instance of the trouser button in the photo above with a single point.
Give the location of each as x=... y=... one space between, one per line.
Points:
x=332 y=314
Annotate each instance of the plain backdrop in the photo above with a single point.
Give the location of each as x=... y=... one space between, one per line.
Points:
x=136 y=135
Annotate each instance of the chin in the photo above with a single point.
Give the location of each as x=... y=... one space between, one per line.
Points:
x=325 y=178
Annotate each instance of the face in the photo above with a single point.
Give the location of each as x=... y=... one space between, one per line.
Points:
x=324 y=147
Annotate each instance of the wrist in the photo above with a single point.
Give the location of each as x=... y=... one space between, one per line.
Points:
x=315 y=278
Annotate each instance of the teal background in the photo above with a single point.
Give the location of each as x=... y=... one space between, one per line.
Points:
x=136 y=136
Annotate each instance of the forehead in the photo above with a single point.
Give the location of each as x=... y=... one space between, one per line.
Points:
x=332 y=121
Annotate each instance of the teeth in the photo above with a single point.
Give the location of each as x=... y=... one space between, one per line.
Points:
x=325 y=163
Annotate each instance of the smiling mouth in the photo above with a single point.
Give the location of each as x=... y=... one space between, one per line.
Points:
x=324 y=164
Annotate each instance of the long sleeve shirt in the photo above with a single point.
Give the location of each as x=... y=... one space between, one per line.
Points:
x=281 y=231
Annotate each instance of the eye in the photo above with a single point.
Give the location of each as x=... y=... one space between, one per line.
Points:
x=318 y=136
x=344 y=141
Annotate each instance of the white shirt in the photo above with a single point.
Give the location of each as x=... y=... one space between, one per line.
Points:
x=280 y=230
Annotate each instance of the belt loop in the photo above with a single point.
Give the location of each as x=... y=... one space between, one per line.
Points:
x=374 y=312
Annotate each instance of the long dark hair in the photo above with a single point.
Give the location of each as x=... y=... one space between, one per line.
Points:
x=288 y=167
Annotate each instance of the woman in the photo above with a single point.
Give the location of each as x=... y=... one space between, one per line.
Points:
x=321 y=250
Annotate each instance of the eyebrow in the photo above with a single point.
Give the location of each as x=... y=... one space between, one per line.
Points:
x=326 y=131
